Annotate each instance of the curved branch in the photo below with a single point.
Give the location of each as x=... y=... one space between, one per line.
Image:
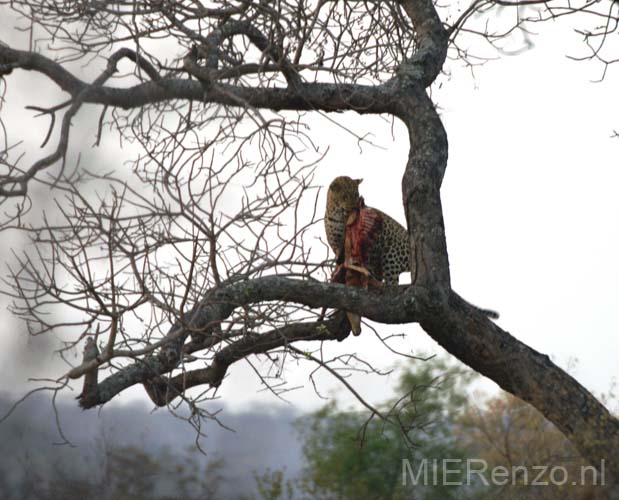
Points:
x=531 y=376
x=18 y=185
x=218 y=304
x=164 y=390
x=274 y=52
x=306 y=96
x=427 y=159
x=432 y=40
x=462 y=329
x=472 y=338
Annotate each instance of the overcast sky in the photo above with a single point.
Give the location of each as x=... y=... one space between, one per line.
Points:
x=531 y=210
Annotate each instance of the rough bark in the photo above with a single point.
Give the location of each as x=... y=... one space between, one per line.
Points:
x=393 y=307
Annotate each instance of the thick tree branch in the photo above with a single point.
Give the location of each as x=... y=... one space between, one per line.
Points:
x=427 y=159
x=470 y=337
x=432 y=40
x=390 y=307
x=18 y=185
x=273 y=51
x=307 y=96
x=460 y=328
x=163 y=390
x=529 y=375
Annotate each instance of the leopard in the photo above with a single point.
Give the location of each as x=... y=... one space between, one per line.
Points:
x=389 y=255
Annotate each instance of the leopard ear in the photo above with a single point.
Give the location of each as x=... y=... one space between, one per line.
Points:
x=358 y=181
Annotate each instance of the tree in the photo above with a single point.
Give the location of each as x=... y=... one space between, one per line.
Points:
x=185 y=267
x=351 y=454
x=122 y=472
x=272 y=486
x=508 y=433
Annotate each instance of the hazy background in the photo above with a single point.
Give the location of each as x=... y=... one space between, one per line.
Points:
x=31 y=448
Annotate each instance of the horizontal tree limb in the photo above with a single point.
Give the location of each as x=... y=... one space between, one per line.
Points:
x=462 y=329
x=364 y=99
x=163 y=390
x=390 y=306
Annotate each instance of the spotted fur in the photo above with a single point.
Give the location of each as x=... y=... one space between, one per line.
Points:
x=389 y=256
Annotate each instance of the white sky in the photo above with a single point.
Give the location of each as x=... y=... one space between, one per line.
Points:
x=531 y=209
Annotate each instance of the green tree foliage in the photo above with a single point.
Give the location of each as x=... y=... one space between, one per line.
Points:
x=272 y=485
x=353 y=455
